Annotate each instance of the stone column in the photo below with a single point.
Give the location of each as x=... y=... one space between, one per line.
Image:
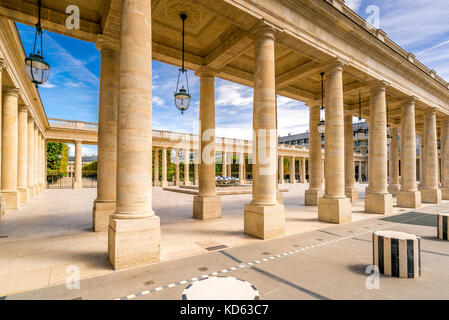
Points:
x=186 y=167
x=177 y=179
x=206 y=205
x=315 y=190
x=224 y=162
x=302 y=176
x=36 y=160
x=241 y=168
x=377 y=198
x=430 y=192
x=444 y=138
x=408 y=196
x=350 y=190
x=292 y=170
x=334 y=206
x=104 y=204
x=360 y=172
x=164 y=182
x=77 y=182
x=2 y=198
x=195 y=169
x=229 y=165
x=281 y=169
x=134 y=229
x=156 y=181
x=22 y=165
x=394 y=186
x=42 y=153
x=30 y=159
x=10 y=148
x=264 y=217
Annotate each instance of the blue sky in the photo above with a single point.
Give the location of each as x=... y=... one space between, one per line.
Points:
x=419 y=26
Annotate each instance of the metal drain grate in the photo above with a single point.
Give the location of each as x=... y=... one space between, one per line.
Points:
x=148 y=283
x=222 y=246
x=202 y=269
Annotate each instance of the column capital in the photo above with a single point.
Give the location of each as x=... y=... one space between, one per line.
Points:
x=15 y=92
x=410 y=100
x=378 y=85
x=104 y=42
x=23 y=107
x=430 y=112
x=30 y=119
x=205 y=71
x=2 y=64
x=265 y=31
x=313 y=103
x=333 y=65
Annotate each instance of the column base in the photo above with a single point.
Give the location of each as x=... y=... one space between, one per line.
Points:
x=264 y=222
x=23 y=194
x=196 y=183
x=445 y=194
x=31 y=193
x=409 y=199
x=12 y=199
x=187 y=183
x=394 y=189
x=36 y=190
x=156 y=183
x=352 y=194
x=205 y=208
x=312 y=197
x=101 y=212
x=431 y=196
x=292 y=182
x=334 y=210
x=381 y=203
x=42 y=187
x=77 y=185
x=279 y=197
x=164 y=184
x=133 y=242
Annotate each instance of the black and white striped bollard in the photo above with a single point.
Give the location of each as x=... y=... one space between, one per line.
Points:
x=442 y=223
x=397 y=254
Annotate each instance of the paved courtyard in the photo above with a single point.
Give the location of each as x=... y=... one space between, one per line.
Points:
x=315 y=259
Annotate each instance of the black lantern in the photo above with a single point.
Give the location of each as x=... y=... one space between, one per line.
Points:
x=321 y=127
x=36 y=69
x=360 y=133
x=182 y=95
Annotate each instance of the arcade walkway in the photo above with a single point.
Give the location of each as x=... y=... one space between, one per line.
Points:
x=41 y=239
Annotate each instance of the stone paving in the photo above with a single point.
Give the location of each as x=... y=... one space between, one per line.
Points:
x=53 y=232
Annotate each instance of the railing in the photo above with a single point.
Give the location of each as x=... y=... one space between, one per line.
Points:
x=75 y=125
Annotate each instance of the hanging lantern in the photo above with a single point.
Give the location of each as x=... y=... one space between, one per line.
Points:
x=36 y=69
x=360 y=132
x=321 y=127
x=182 y=95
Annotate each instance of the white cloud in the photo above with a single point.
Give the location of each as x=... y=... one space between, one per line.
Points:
x=48 y=85
x=158 y=101
x=354 y=4
x=233 y=94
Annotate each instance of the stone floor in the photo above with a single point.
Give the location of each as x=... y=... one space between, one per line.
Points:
x=53 y=232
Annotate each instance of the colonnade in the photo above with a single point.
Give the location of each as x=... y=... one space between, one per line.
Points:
x=22 y=148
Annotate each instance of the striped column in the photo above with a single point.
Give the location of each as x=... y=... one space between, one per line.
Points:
x=442 y=222
x=397 y=254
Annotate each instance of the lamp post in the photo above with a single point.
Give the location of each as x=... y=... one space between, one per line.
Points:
x=321 y=127
x=182 y=95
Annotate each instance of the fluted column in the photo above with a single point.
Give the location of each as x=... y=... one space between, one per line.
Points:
x=430 y=192
x=241 y=168
x=176 y=160
x=224 y=162
x=334 y=206
x=164 y=181
x=30 y=159
x=315 y=190
x=77 y=182
x=281 y=169
x=377 y=198
x=104 y=204
x=22 y=165
x=134 y=229
x=156 y=181
x=264 y=216
x=196 y=169
x=292 y=170
x=408 y=196
x=206 y=205
x=350 y=190
x=302 y=176
x=444 y=138
x=36 y=160
x=394 y=186
x=10 y=148
x=187 y=167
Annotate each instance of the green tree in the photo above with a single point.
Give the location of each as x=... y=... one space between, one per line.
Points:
x=57 y=159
